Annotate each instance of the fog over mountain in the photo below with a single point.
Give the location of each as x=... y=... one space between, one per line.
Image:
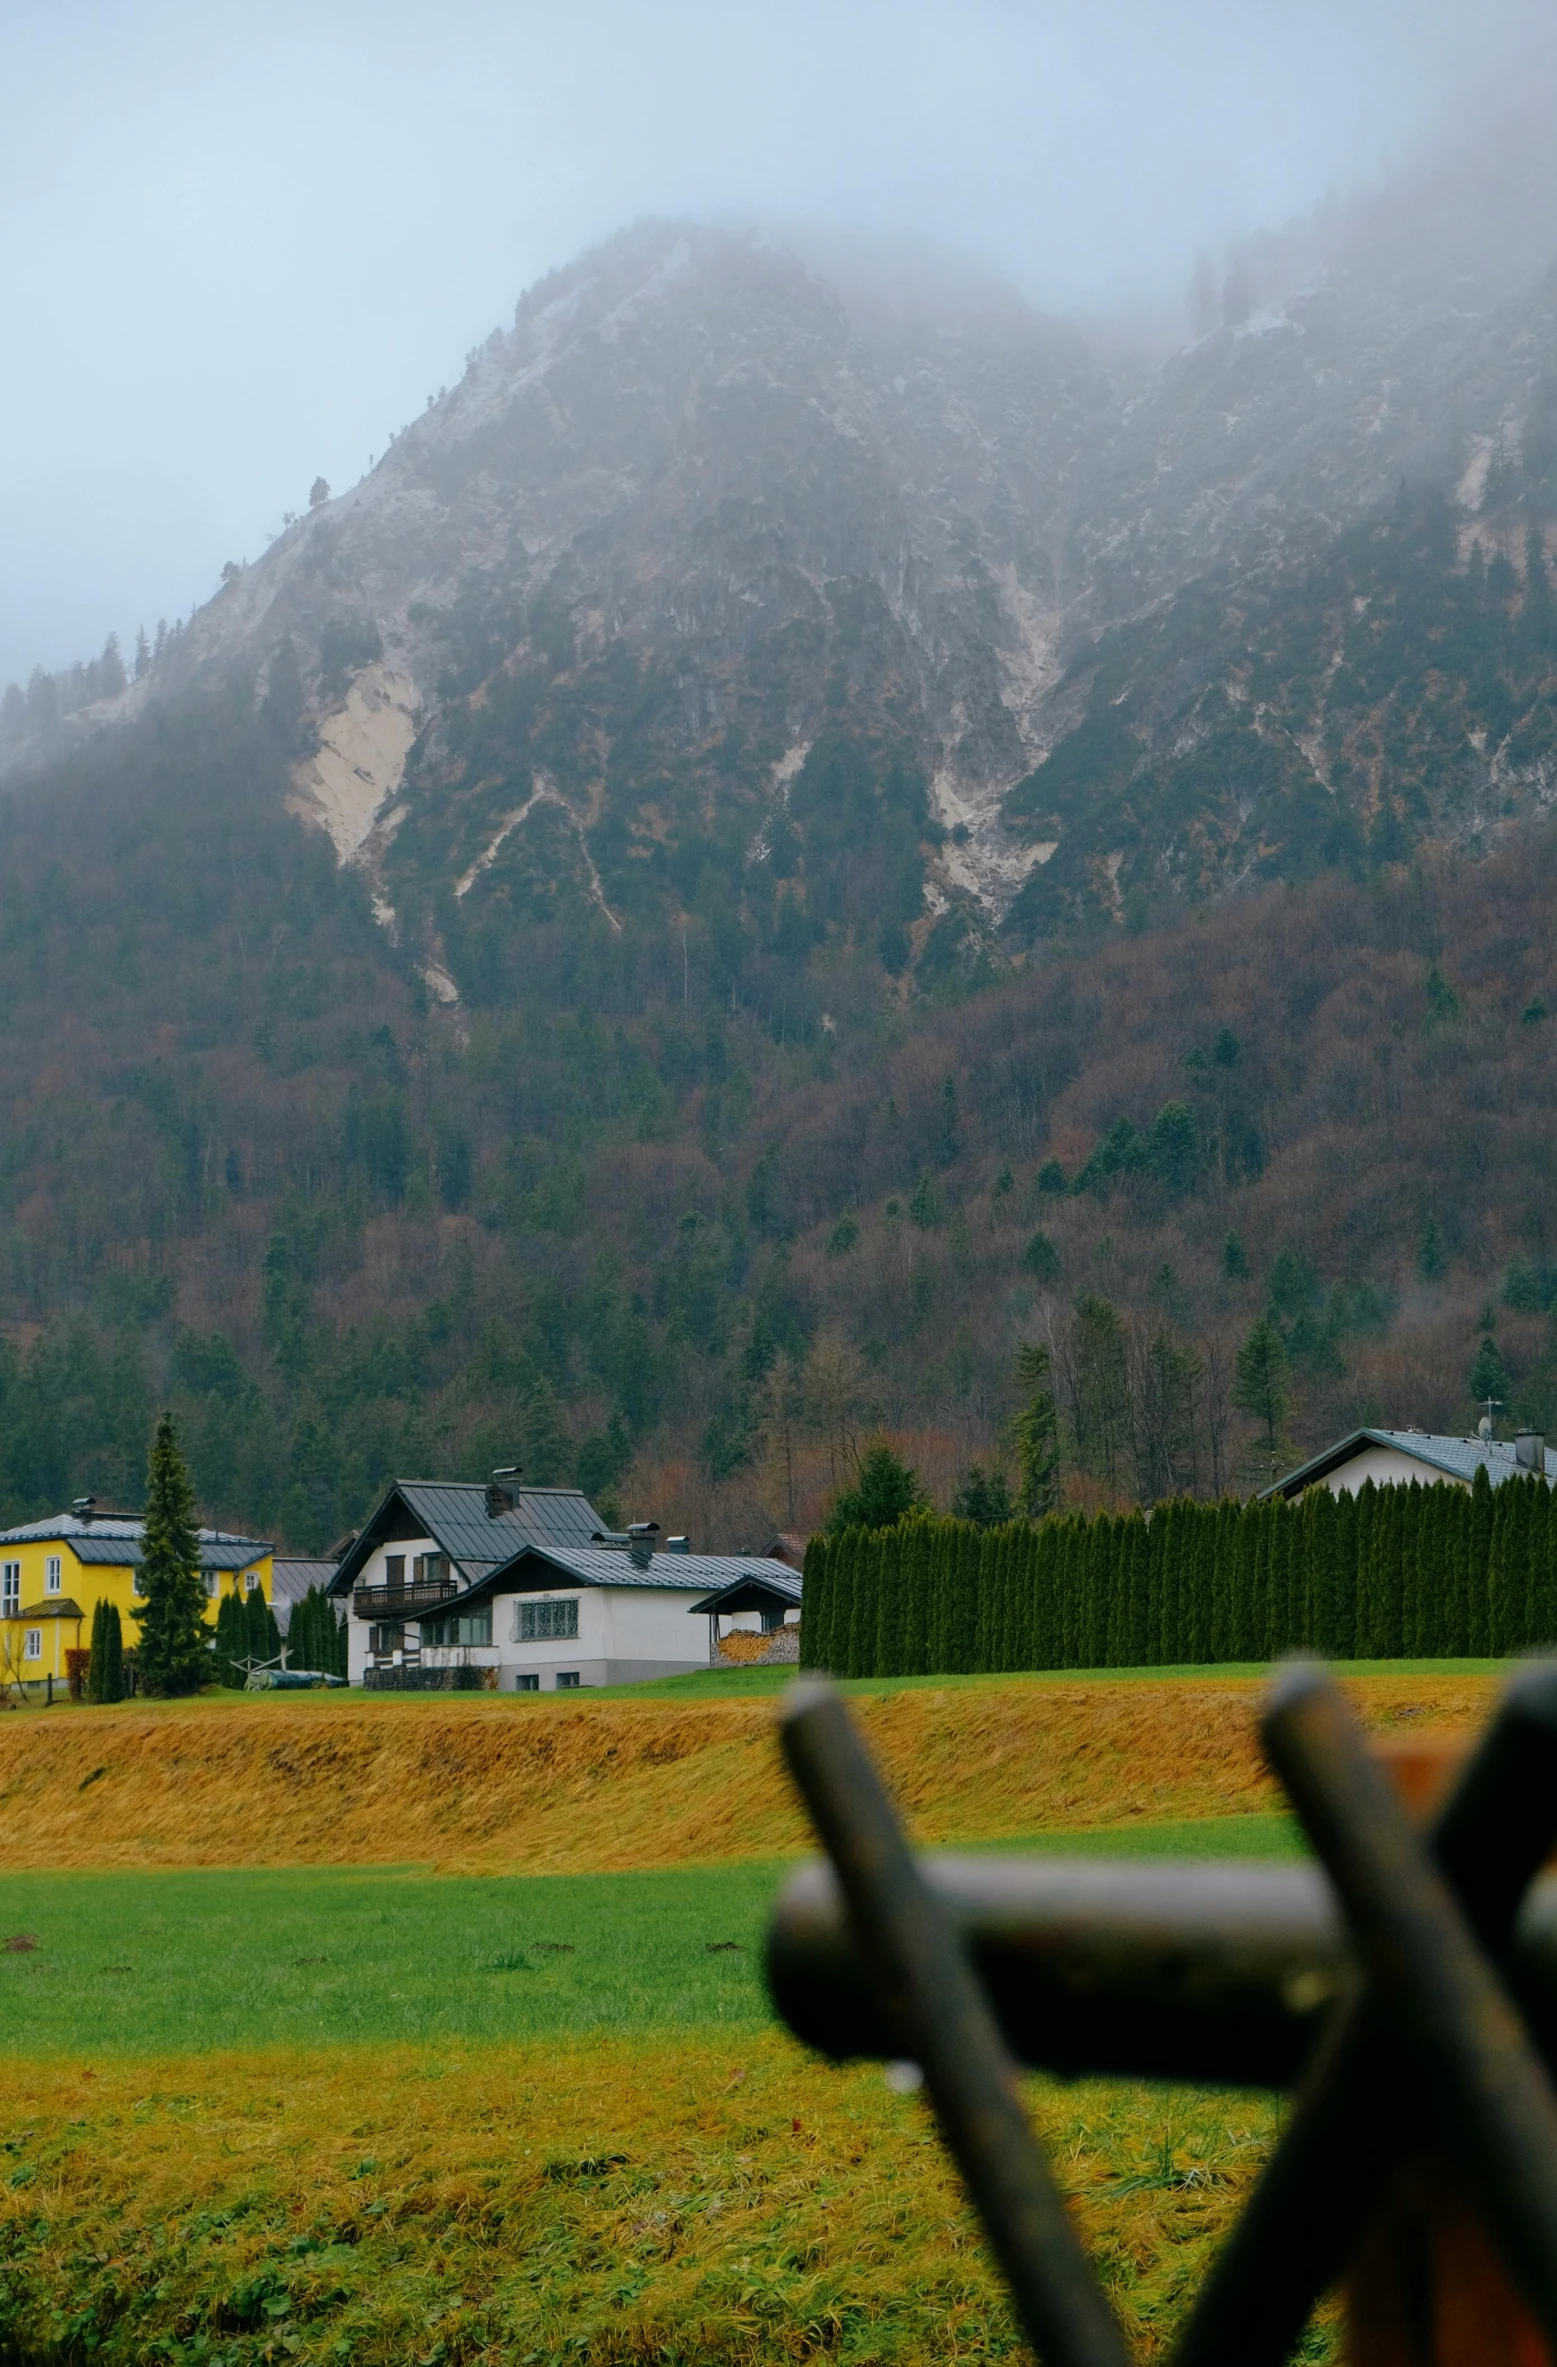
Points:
x=612 y=597
x=239 y=253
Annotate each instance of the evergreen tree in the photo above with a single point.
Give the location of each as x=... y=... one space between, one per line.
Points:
x=1400 y=1529
x=1478 y=1564
x=816 y=1616
x=1138 y=1650
x=915 y=1582
x=1423 y=1603
x=862 y=1608
x=1046 y=1618
x=967 y=1599
x=1538 y=1521
x=1281 y=1633
x=113 y=1655
x=1365 y=1640
x=1224 y=1577
x=1319 y=1558
x=298 y=1641
x=94 y=1683
x=939 y=1621
x=1344 y=1572
x=1454 y=1619
x=885 y=1490
x=1072 y=1551
x=231 y=1640
x=173 y=1654
x=1488 y=1380
x=1203 y=1583
x=1260 y=1383
x=1543 y=1582
x=983 y=1497
x=1035 y=1431
x=880 y=1658
x=1508 y=1566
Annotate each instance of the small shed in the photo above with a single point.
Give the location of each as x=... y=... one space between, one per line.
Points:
x=766 y=1599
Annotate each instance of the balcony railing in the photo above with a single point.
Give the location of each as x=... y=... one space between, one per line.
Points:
x=407 y=1600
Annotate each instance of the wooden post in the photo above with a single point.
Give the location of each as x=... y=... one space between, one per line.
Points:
x=1427 y=2288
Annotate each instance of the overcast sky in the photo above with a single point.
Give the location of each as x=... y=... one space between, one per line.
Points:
x=239 y=245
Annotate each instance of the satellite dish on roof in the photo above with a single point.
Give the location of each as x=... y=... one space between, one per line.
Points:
x=1484 y=1427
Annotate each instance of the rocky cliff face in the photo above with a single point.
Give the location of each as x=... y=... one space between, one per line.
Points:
x=716 y=589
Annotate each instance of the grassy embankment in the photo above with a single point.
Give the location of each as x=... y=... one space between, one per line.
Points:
x=475 y=1784
x=565 y=2127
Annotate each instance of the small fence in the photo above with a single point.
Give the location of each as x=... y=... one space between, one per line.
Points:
x=1406 y=1986
x=428 y=1680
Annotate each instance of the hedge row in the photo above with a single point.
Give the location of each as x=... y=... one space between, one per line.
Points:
x=1393 y=1572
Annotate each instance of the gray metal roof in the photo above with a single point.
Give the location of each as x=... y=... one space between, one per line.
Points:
x=291 y=1579
x=752 y=1589
x=537 y=1566
x=114 y=1542
x=1441 y=1458
x=453 y=1512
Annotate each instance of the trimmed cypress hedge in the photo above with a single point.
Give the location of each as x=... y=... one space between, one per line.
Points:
x=1394 y=1572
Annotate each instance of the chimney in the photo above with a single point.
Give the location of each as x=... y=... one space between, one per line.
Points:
x=83 y=1508
x=501 y=1489
x=640 y=1542
x=1530 y=1451
x=676 y=1545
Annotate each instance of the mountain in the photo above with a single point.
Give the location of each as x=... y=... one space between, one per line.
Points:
x=629 y=910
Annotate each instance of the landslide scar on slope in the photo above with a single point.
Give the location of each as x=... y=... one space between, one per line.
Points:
x=360 y=760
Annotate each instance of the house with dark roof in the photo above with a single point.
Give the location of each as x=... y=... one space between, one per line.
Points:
x=525 y=1590
x=1394 y=1458
x=54 y=1572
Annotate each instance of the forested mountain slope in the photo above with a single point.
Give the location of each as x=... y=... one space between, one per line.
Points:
x=670 y=1250
x=794 y=833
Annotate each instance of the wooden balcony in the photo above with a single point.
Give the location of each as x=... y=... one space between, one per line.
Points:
x=408 y=1600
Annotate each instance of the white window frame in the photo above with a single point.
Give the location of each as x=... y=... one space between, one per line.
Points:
x=251 y=1582
x=213 y=1581
x=10 y=1590
x=545 y=1620
x=53 y=1574
x=32 y=1644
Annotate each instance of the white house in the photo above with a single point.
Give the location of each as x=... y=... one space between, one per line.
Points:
x=1393 y=1458
x=525 y=1589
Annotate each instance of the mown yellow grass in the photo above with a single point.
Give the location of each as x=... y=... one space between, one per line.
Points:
x=619 y=2203
x=600 y=1787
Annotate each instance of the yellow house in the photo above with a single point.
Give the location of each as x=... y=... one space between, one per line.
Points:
x=53 y=1574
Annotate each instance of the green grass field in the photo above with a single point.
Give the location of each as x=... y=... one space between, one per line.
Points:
x=161 y=1963
x=725 y=1684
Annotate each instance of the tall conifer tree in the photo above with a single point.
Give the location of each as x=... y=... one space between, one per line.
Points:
x=907 y=1617
x=1534 y=1563
x=1367 y=1511
x=1138 y=1648
x=113 y=1654
x=94 y=1683
x=1343 y=1568
x=815 y=1639
x=173 y=1654
x=1478 y=1565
